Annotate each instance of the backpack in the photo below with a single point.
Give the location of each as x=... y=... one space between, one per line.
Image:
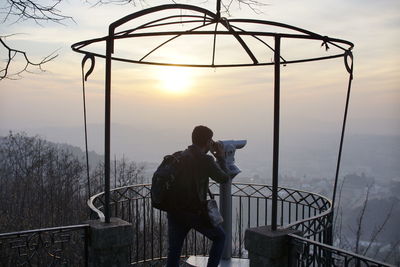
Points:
x=163 y=182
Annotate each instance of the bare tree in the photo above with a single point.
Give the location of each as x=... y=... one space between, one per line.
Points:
x=394 y=254
x=40 y=184
x=128 y=173
x=353 y=241
x=125 y=173
x=360 y=219
x=378 y=229
x=43 y=184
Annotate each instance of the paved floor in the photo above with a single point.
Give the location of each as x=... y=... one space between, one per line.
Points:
x=200 y=261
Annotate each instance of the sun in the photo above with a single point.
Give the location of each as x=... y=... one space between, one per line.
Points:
x=175 y=80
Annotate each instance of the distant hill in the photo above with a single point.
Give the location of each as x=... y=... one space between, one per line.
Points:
x=301 y=154
x=80 y=154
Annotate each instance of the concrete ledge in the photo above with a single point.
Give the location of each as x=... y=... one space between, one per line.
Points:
x=117 y=233
x=267 y=247
x=109 y=243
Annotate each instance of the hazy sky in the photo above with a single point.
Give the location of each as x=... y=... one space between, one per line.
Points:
x=236 y=103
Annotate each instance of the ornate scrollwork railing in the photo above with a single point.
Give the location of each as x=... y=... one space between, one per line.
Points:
x=300 y=210
x=58 y=246
x=304 y=211
x=251 y=203
x=307 y=252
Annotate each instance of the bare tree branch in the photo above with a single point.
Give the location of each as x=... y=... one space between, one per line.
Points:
x=253 y=5
x=360 y=219
x=12 y=53
x=378 y=230
x=394 y=247
x=135 y=3
x=16 y=11
x=20 y=10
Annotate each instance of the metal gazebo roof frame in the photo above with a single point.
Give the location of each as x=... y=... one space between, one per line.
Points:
x=204 y=19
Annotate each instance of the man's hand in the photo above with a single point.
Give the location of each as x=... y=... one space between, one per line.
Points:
x=217 y=149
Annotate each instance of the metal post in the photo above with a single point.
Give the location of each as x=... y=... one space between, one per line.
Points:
x=350 y=70
x=107 y=126
x=225 y=204
x=275 y=163
x=218 y=8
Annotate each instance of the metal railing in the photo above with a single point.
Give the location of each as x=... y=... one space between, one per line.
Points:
x=309 y=213
x=305 y=252
x=58 y=246
x=251 y=206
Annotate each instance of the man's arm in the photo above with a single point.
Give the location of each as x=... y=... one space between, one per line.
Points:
x=216 y=170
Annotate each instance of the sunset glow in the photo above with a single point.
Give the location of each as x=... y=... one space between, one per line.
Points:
x=175 y=80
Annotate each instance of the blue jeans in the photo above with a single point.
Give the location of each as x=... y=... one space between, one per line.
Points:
x=179 y=224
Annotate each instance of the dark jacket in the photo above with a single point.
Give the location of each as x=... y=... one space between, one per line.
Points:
x=192 y=182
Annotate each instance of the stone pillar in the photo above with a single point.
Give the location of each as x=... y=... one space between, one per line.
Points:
x=109 y=243
x=268 y=248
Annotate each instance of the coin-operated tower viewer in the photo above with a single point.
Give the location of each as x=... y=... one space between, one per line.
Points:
x=225 y=191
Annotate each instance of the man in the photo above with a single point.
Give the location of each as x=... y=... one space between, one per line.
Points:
x=191 y=191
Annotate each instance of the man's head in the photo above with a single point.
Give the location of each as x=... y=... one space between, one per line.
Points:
x=202 y=136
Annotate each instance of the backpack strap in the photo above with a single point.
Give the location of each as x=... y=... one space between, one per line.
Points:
x=211 y=195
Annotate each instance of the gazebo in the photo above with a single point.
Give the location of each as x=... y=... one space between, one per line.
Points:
x=258 y=43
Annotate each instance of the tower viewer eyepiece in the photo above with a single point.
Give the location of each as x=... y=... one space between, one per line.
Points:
x=230 y=147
